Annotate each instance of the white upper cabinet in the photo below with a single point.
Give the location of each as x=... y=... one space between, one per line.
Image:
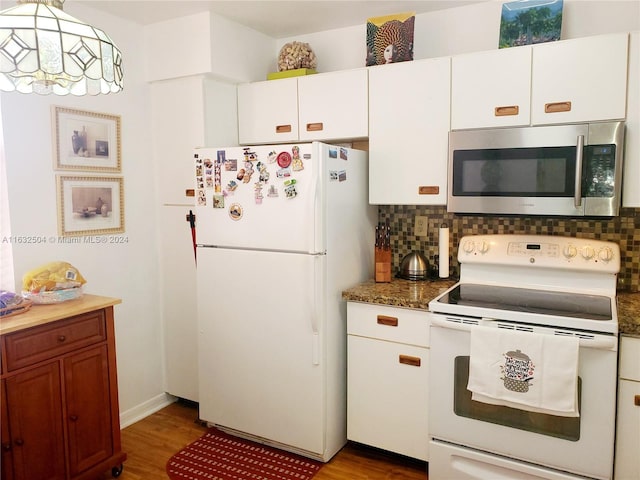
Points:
x=580 y=80
x=333 y=106
x=409 y=132
x=491 y=89
x=327 y=106
x=268 y=111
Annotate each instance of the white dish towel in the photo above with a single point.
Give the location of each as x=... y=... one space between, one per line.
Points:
x=524 y=370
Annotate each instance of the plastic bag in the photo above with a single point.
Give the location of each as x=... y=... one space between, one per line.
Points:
x=52 y=276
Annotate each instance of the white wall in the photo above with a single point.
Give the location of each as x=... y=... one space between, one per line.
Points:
x=471 y=28
x=128 y=271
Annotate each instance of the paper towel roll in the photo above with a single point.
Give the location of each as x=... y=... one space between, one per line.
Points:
x=443 y=251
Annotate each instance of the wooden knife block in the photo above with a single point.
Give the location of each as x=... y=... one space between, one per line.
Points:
x=383 y=265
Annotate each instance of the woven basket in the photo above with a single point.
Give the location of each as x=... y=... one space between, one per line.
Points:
x=21 y=307
x=54 y=296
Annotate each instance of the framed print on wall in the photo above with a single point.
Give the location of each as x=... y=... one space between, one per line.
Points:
x=86 y=141
x=90 y=205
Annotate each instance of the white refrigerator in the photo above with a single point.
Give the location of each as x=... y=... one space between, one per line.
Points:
x=282 y=230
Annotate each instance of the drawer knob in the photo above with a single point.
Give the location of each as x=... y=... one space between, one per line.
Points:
x=6 y=447
x=73 y=418
x=19 y=442
x=636 y=400
x=388 y=321
x=61 y=338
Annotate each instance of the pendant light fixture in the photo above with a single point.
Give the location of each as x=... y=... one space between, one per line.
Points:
x=43 y=50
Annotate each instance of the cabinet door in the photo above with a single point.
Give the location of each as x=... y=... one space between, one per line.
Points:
x=333 y=106
x=387 y=398
x=6 y=459
x=631 y=165
x=627 y=465
x=408 y=132
x=579 y=80
x=34 y=404
x=491 y=89
x=178 y=300
x=268 y=112
x=86 y=380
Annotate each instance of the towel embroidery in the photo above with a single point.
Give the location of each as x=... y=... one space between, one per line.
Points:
x=517 y=371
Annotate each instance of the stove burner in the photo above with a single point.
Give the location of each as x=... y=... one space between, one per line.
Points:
x=590 y=307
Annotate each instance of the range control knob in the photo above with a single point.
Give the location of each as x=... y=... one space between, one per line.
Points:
x=468 y=246
x=569 y=251
x=588 y=252
x=606 y=254
x=483 y=247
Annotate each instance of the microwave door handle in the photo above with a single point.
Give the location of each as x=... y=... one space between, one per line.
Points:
x=577 y=197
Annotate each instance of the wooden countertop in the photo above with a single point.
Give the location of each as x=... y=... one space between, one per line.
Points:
x=40 y=314
x=408 y=294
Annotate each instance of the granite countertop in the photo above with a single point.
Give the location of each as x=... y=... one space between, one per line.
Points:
x=408 y=294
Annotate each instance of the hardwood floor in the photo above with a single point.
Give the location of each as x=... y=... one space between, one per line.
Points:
x=150 y=443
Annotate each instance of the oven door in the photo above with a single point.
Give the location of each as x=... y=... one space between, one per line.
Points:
x=516 y=443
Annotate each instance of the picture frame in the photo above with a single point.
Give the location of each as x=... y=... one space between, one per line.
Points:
x=90 y=205
x=528 y=22
x=87 y=141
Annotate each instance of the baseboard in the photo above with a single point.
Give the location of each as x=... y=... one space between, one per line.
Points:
x=145 y=409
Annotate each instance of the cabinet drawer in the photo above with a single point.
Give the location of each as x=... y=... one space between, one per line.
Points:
x=388 y=323
x=40 y=343
x=630 y=358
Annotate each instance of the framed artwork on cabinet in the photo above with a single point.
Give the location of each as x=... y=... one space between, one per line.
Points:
x=87 y=141
x=526 y=22
x=90 y=205
x=390 y=38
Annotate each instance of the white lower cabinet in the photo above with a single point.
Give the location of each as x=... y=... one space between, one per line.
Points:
x=627 y=463
x=387 y=378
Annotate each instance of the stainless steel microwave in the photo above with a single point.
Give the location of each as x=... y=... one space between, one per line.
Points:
x=563 y=170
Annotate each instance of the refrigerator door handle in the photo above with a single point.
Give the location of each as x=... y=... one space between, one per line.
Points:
x=315 y=313
x=316 y=235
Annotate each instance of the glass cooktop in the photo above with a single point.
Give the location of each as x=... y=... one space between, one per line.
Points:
x=590 y=307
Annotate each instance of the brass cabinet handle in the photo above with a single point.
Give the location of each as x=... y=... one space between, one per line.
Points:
x=61 y=338
x=636 y=400
x=557 y=107
x=388 y=321
x=428 y=190
x=315 y=127
x=506 y=110
x=409 y=360
x=283 y=128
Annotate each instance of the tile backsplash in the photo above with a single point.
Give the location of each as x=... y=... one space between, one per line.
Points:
x=623 y=230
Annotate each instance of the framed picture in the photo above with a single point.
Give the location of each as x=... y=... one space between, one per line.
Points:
x=85 y=141
x=390 y=38
x=527 y=22
x=90 y=205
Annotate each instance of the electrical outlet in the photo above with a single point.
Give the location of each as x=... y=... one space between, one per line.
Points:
x=420 y=226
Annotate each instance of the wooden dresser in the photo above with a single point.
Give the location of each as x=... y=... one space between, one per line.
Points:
x=59 y=394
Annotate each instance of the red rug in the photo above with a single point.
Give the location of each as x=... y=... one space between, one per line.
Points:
x=220 y=456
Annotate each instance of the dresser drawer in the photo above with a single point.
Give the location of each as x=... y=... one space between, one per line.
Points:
x=393 y=324
x=47 y=341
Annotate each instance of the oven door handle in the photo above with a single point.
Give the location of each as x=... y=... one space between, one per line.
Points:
x=602 y=342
